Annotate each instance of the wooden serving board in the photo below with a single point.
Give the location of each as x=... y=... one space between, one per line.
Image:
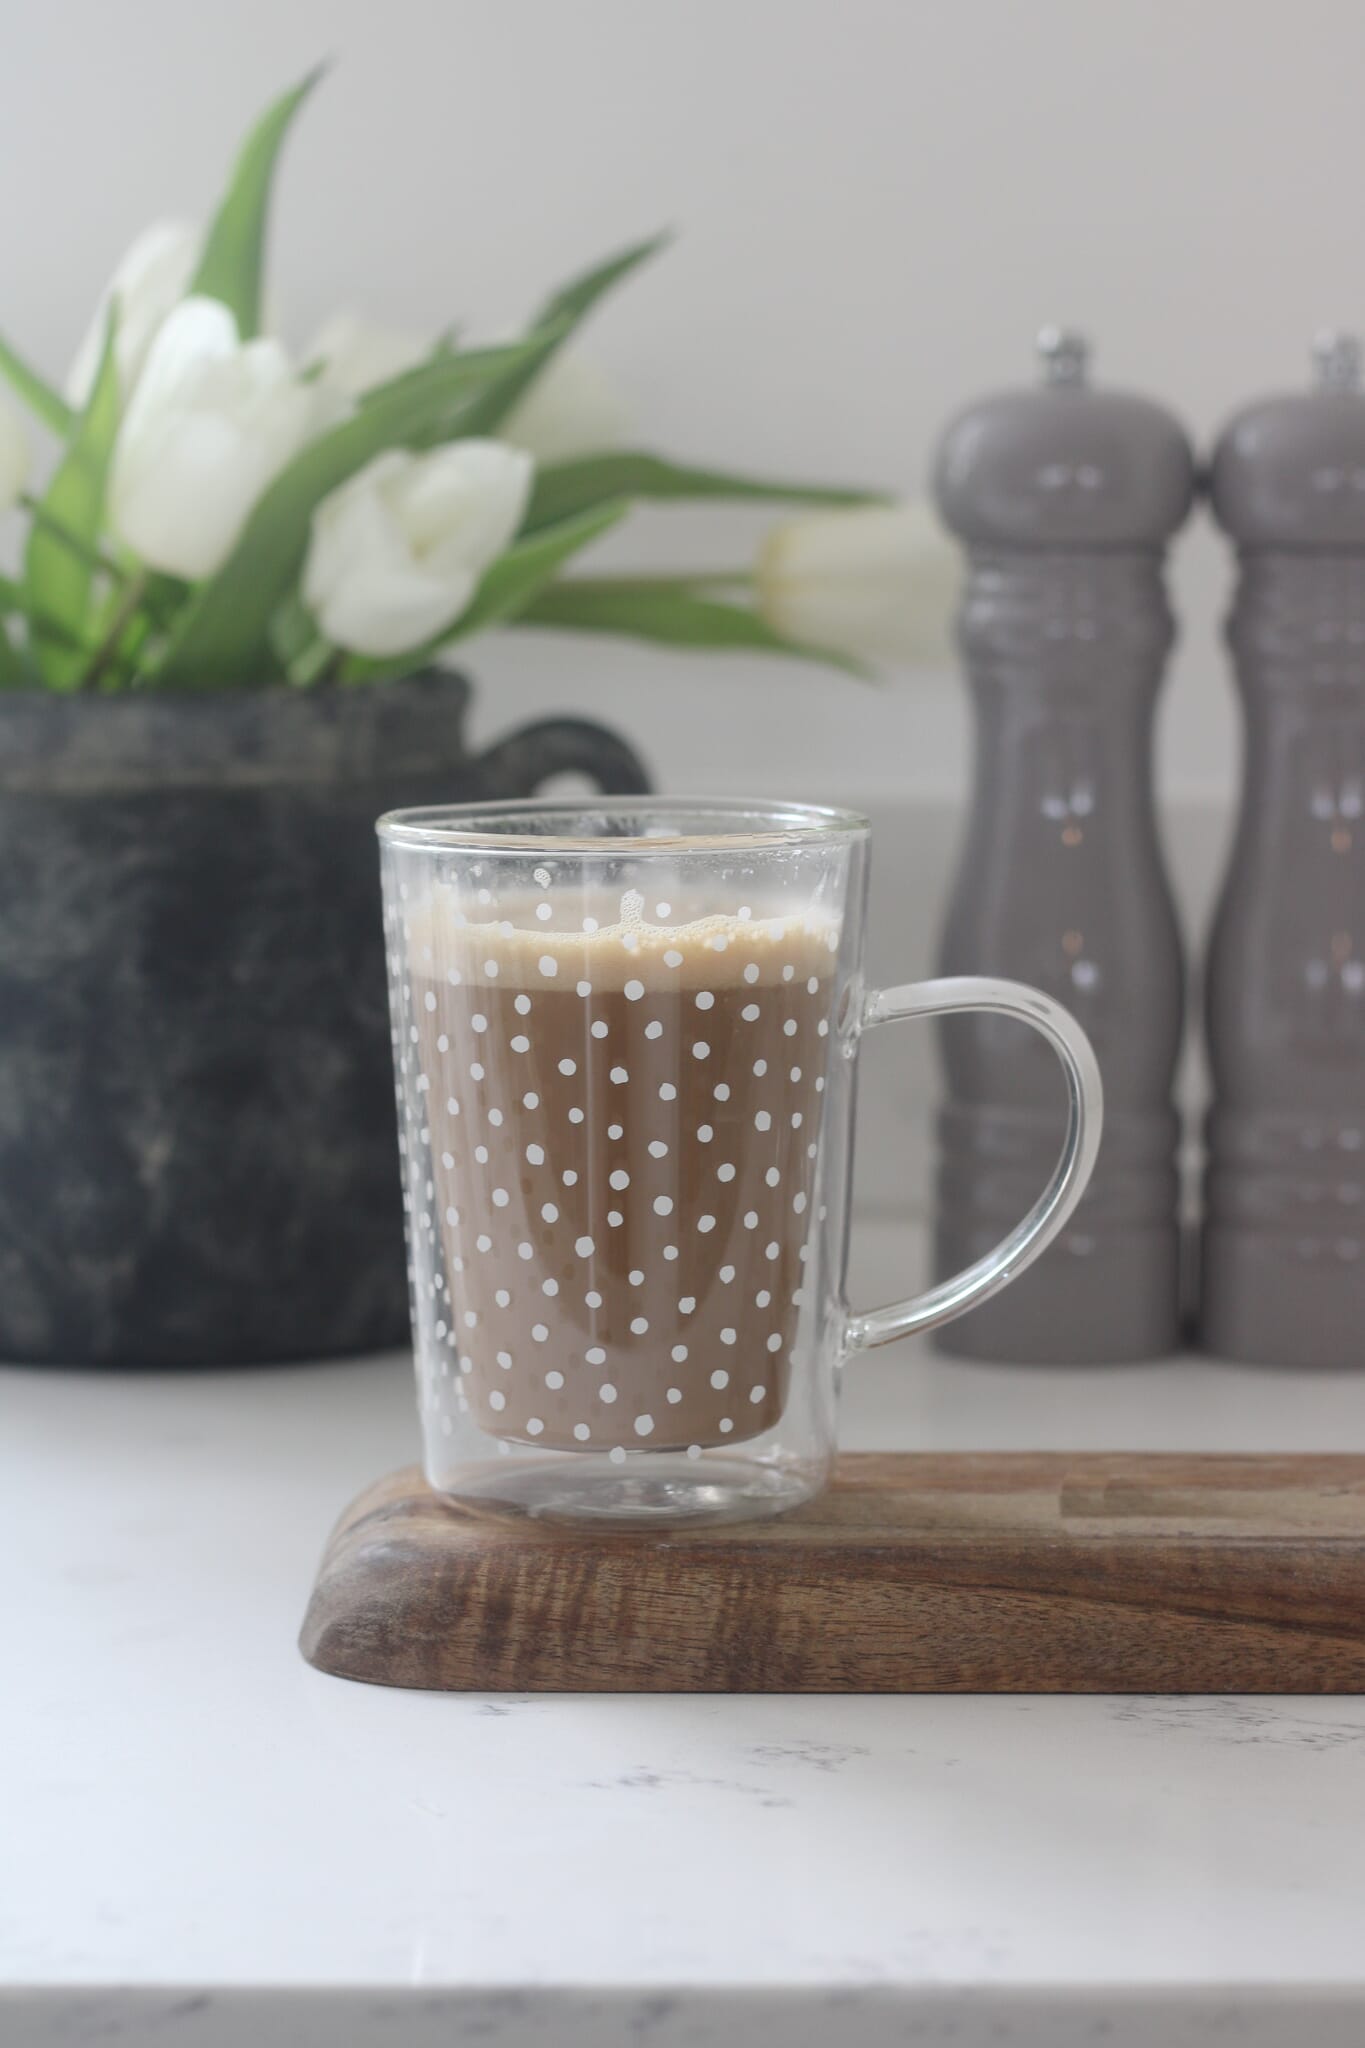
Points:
x=987 y=1573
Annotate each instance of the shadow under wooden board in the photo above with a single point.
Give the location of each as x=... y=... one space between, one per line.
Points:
x=998 y=1572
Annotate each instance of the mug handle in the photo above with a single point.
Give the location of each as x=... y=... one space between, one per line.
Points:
x=519 y=762
x=1084 y=1118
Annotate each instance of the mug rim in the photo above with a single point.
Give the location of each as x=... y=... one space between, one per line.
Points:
x=712 y=823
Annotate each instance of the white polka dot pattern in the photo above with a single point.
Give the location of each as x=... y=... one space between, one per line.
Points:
x=602 y=1173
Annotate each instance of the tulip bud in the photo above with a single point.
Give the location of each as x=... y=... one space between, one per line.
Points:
x=878 y=583
x=571 y=409
x=357 y=354
x=151 y=278
x=396 y=553
x=211 y=422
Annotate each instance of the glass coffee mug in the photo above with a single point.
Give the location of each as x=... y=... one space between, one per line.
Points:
x=626 y=1038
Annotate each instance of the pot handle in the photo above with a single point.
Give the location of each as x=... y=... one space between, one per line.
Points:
x=517 y=765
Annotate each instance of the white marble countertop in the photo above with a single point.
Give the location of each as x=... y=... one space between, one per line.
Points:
x=204 y=1842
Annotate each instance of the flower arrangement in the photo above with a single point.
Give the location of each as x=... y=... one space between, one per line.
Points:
x=222 y=516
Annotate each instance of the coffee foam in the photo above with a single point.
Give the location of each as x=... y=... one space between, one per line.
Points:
x=525 y=952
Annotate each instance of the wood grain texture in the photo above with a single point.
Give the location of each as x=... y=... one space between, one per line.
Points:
x=998 y=1572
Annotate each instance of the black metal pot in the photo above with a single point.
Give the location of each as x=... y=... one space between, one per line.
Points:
x=198 y=1162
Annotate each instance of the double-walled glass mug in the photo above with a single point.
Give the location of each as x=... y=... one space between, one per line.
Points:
x=626 y=1039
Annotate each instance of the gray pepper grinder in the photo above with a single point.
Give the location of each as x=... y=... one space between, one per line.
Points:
x=1066 y=498
x=1284 y=1234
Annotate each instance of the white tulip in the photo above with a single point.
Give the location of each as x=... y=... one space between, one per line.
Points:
x=15 y=457
x=571 y=409
x=357 y=354
x=152 y=277
x=211 y=422
x=396 y=553
x=879 y=583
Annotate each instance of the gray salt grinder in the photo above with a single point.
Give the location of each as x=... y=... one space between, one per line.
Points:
x=1284 y=1235
x=1066 y=498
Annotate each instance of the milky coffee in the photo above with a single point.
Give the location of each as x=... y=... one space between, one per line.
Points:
x=624 y=1126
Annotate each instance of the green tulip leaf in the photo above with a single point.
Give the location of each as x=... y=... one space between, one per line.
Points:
x=667 y=613
x=462 y=415
x=466 y=419
x=233 y=263
x=223 y=638
x=292 y=631
x=507 y=586
x=573 y=300
x=42 y=401
x=89 y=552
x=530 y=564
x=565 y=487
x=14 y=604
x=61 y=563
x=556 y=320
x=13 y=674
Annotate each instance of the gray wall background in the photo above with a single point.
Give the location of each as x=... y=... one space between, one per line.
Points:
x=878 y=201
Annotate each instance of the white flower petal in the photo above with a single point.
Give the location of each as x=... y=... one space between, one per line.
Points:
x=354 y=529
x=357 y=354
x=572 y=408
x=388 y=611
x=151 y=278
x=198 y=335
x=464 y=502
x=210 y=424
x=179 y=505
x=880 y=583
x=396 y=553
